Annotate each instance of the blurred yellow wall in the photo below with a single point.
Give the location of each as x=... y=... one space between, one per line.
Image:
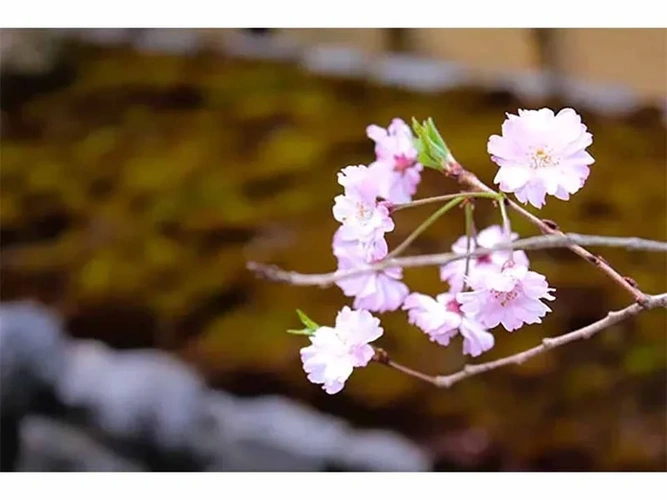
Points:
x=636 y=58
x=631 y=58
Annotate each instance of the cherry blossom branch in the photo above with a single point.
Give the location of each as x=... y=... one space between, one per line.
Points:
x=548 y=343
x=454 y=169
x=493 y=299
x=554 y=240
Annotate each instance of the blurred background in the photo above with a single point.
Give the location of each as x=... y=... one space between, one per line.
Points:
x=142 y=169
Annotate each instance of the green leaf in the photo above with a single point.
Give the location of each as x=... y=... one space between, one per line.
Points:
x=435 y=136
x=307 y=322
x=310 y=325
x=417 y=127
x=432 y=150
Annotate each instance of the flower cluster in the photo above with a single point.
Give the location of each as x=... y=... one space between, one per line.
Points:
x=497 y=289
x=363 y=211
x=539 y=153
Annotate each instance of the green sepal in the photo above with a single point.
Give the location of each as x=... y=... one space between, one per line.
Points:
x=431 y=148
x=310 y=326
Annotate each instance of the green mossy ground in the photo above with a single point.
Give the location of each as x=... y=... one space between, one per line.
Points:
x=133 y=198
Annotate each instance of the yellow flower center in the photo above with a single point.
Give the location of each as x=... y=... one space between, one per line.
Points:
x=364 y=212
x=541 y=158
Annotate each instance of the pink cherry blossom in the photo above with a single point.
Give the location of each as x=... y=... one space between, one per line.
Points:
x=442 y=318
x=396 y=171
x=377 y=291
x=335 y=352
x=540 y=153
x=362 y=219
x=359 y=182
x=511 y=297
x=371 y=250
x=454 y=272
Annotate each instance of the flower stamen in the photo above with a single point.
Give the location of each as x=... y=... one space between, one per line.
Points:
x=541 y=159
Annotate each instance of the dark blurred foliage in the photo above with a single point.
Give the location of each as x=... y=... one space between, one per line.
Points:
x=136 y=187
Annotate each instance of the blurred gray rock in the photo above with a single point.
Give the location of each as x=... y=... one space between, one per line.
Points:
x=141 y=396
x=106 y=37
x=30 y=51
x=52 y=446
x=148 y=405
x=33 y=354
x=272 y=433
x=177 y=41
x=383 y=451
x=417 y=73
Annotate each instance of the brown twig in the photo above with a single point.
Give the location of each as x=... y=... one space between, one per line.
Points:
x=446 y=381
x=559 y=240
x=381 y=356
x=453 y=169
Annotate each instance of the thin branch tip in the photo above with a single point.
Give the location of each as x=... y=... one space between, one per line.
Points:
x=548 y=343
x=380 y=356
x=268 y=272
